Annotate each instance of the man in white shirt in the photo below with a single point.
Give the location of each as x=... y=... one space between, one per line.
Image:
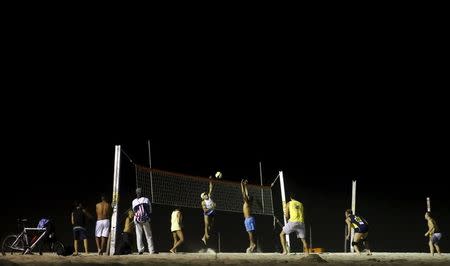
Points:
x=142 y=210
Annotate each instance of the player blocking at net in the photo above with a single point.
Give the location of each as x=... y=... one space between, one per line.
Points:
x=208 y=207
x=249 y=222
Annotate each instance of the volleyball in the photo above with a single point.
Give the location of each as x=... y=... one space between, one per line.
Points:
x=218 y=175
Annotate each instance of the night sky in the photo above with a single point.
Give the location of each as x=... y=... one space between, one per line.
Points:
x=65 y=152
x=340 y=104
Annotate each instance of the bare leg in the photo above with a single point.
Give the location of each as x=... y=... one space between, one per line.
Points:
x=75 y=247
x=174 y=235
x=97 y=241
x=252 y=244
x=283 y=242
x=206 y=235
x=305 y=246
x=431 y=247
x=437 y=249
x=366 y=244
x=102 y=247
x=85 y=241
x=180 y=236
x=357 y=239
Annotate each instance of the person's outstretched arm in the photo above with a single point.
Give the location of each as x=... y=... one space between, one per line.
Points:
x=246 y=188
x=244 y=195
x=210 y=187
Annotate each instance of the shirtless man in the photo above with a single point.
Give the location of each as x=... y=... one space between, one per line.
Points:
x=103 y=224
x=250 y=224
x=434 y=234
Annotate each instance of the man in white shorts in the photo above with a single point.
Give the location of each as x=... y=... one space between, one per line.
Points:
x=293 y=210
x=103 y=224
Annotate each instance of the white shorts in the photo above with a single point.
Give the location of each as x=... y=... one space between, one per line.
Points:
x=102 y=228
x=298 y=228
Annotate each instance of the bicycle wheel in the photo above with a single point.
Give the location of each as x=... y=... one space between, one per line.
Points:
x=9 y=247
x=58 y=248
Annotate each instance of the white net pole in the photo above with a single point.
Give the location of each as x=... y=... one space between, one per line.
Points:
x=150 y=165
x=354 y=212
x=283 y=201
x=115 y=201
x=261 y=180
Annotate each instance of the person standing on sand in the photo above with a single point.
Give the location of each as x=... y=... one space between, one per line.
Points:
x=103 y=224
x=249 y=222
x=293 y=211
x=142 y=211
x=434 y=234
x=78 y=218
x=177 y=229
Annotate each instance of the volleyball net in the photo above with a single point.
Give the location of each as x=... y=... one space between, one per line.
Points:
x=182 y=190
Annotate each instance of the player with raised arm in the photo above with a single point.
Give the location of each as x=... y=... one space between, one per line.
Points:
x=249 y=222
x=208 y=207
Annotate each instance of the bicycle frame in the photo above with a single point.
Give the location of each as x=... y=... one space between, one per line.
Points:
x=23 y=235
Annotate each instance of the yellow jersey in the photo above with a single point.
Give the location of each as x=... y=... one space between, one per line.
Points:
x=295 y=211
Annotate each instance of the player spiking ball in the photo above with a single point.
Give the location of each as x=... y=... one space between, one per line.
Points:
x=208 y=207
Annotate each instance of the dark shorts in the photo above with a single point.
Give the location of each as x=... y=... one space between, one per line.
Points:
x=209 y=213
x=362 y=229
x=436 y=237
x=79 y=233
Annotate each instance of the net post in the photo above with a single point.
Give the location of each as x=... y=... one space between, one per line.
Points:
x=428 y=204
x=218 y=240
x=283 y=202
x=150 y=165
x=262 y=191
x=354 y=212
x=115 y=201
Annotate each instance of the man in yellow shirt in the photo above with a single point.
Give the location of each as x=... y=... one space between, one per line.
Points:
x=293 y=210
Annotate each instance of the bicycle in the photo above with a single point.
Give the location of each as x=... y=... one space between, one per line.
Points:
x=23 y=244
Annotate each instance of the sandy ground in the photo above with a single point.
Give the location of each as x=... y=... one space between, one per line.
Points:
x=232 y=259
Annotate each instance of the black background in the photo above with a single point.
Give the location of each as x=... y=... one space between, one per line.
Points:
x=325 y=114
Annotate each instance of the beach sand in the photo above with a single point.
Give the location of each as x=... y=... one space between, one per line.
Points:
x=231 y=259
